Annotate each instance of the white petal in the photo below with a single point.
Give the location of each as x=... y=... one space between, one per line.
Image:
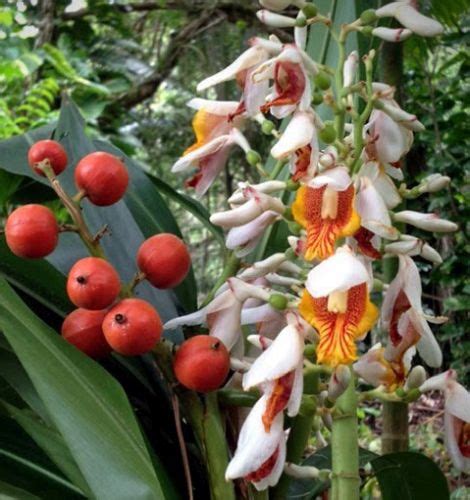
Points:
x=428 y=222
x=298 y=133
x=255 y=445
x=427 y=346
x=339 y=273
x=253 y=315
x=457 y=400
x=281 y=357
x=416 y=22
x=273 y=477
x=275 y=20
x=337 y=178
x=191 y=159
x=452 y=426
x=219 y=108
x=238 y=216
x=439 y=382
x=242 y=235
x=254 y=55
x=295 y=399
x=392 y=35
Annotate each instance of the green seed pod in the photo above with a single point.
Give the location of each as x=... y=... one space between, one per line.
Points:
x=322 y=80
x=328 y=133
x=368 y=16
x=317 y=98
x=253 y=157
x=267 y=127
x=278 y=301
x=301 y=22
x=310 y=10
x=367 y=30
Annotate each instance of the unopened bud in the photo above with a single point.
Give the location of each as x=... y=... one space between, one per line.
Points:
x=275 y=20
x=278 y=301
x=317 y=98
x=433 y=183
x=300 y=22
x=328 y=133
x=322 y=80
x=267 y=127
x=253 y=157
x=429 y=253
x=416 y=378
x=339 y=382
x=428 y=222
x=368 y=16
x=367 y=30
x=310 y=10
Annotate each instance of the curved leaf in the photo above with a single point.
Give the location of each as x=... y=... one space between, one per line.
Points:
x=87 y=406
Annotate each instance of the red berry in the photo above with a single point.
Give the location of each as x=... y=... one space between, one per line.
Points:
x=93 y=283
x=82 y=328
x=164 y=259
x=202 y=363
x=47 y=151
x=132 y=327
x=103 y=177
x=32 y=231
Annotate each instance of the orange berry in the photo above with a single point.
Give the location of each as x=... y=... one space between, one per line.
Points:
x=202 y=363
x=32 y=231
x=93 y=283
x=50 y=151
x=103 y=177
x=83 y=329
x=164 y=259
x=132 y=327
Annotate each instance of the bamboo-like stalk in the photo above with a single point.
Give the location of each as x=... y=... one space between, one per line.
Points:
x=344 y=447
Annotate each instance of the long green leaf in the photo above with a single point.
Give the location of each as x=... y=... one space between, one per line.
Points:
x=87 y=406
x=8 y=491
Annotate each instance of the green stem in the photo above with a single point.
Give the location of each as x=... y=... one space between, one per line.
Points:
x=340 y=116
x=395 y=427
x=344 y=447
x=231 y=267
x=277 y=169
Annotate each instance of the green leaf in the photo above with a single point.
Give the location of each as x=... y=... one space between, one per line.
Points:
x=24 y=465
x=7 y=492
x=86 y=404
x=51 y=442
x=409 y=476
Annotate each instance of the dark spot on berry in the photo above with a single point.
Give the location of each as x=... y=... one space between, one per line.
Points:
x=120 y=318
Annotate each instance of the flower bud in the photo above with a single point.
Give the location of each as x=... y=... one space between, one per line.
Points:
x=300 y=22
x=275 y=20
x=267 y=127
x=368 y=16
x=278 y=301
x=367 y=30
x=392 y=35
x=416 y=378
x=322 y=80
x=429 y=253
x=328 y=133
x=428 y=222
x=317 y=98
x=253 y=157
x=433 y=183
x=339 y=382
x=310 y=10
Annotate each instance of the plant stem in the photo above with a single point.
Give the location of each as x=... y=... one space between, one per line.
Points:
x=277 y=169
x=395 y=427
x=344 y=447
x=74 y=210
x=232 y=264
x=340 y=116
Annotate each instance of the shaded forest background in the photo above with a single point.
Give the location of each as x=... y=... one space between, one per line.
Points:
x=132 y=66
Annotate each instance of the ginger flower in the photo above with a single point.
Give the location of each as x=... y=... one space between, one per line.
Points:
x=292 y=88
x=242 y=69
x=215 y=135
x=299 y=142
x=260 y=453
x=278 y=372
x=336 y=303
x=325 y=208
x=456 y=417
x=403 y=316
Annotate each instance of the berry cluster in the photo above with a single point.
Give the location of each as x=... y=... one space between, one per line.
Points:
x=108 y=317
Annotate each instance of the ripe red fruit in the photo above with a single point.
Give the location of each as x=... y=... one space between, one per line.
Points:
x=47 y=150
x=164 y=259
x=132 y=327
x=93 y=283
x=103 y=177
x=82 y=328
x=32 y=231
x=202 y=363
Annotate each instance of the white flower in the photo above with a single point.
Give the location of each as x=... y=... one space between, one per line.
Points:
x=275 y=20
x=380 y=177
x=428 y=222
x=260 y=454
x=403 y=316
x=456 y=416
x=409 y=245
x=405 y=13
x=350 y=68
